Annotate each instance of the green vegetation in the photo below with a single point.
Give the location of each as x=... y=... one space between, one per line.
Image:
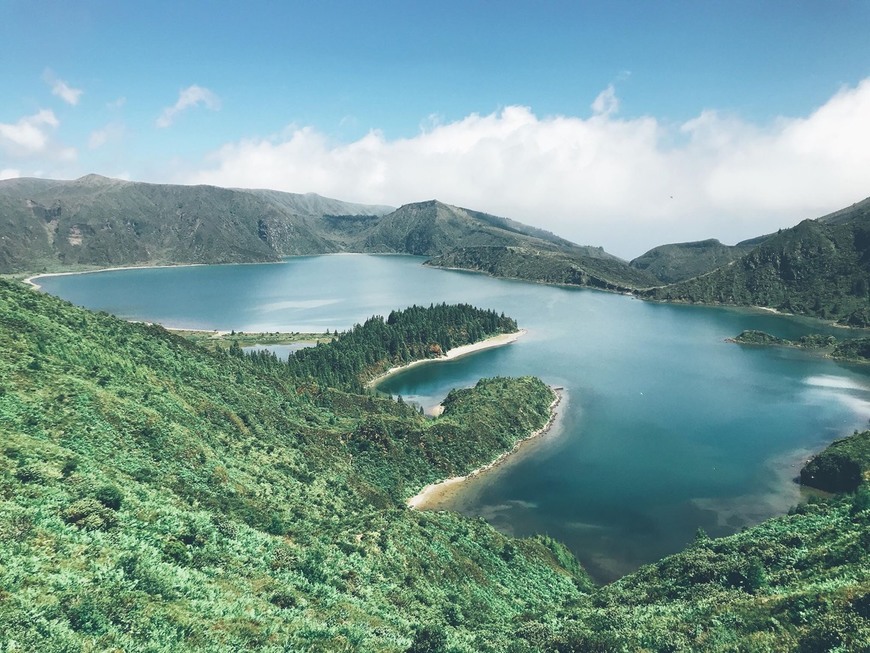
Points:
x=547 y=266
x=222 y=340
x=95 y=221
x=372 y=348
x=812 y=341
x=842 y=467
x=856 y=350
x=819 y=268
x=99 y=222
x=160 y=496
x=795 y=583
x=681 y=261
x=157 y=495
x=432 y=228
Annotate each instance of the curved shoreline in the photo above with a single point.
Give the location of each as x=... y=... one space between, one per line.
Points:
x=31 y=280
x=464 y=350
x=435 y=491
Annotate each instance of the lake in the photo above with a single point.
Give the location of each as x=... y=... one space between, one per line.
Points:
x=665 y=428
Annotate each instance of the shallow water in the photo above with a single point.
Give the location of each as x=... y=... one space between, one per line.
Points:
x=666 y=427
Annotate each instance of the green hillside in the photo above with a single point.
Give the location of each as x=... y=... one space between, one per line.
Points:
x=95 y=221
x=795 y=583
x=158 y=495
x=571 y=267
x=100 y=222
x=819 y=268
x=681 y=261
x=431 y=228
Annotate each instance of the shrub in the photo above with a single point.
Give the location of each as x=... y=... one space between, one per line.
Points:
x=90 y=514
x=109 y=496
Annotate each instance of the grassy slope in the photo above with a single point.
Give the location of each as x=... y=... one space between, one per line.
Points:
x=795 y=583
x=156 y=496
x=431 y=228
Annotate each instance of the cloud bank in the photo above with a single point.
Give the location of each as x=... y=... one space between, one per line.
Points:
x=190 y=97
x=625 y=183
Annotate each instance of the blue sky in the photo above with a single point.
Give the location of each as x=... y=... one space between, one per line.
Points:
x=625 y=124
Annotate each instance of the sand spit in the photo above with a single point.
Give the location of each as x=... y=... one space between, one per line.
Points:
x=433 y=493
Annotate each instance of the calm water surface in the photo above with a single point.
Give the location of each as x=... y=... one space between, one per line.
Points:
x=666 y=427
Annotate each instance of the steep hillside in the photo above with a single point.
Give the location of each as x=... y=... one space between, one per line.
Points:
x=431 y=228
x=95 y=221
x=681 y=261
x=158 y=496
x=98 y=222
x=819 y=268
x=561 y=266
x=797 y=583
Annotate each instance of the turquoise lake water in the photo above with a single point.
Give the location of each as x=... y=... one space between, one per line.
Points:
x=665 y=428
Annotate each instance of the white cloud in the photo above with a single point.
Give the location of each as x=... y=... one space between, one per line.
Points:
x=99 y=137
x=189 y=97
x=625 y=183
x=606 y=103
x=61 y=89
x=9 y=173
x=30 y=135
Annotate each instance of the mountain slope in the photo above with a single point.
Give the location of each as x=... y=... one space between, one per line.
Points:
x=431 y=228
x=681 y=261
x=97 y=221
x=158 y=496
x=819 y=268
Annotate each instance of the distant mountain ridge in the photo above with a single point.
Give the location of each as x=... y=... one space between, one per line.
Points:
x=819 y=268
x=97 y=221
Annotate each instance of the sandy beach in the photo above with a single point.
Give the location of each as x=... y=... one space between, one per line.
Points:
x=456 y=352
x=435 y=493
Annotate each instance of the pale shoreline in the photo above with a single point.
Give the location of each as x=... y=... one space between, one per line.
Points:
x=435 y=491
x=31 y=280
x=464 y=350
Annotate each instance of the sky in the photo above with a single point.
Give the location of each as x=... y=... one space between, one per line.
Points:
x=620 y=124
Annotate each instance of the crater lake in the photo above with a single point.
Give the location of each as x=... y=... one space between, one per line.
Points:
x=665 y=427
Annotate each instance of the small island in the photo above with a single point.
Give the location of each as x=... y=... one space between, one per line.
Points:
x=856 y=350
